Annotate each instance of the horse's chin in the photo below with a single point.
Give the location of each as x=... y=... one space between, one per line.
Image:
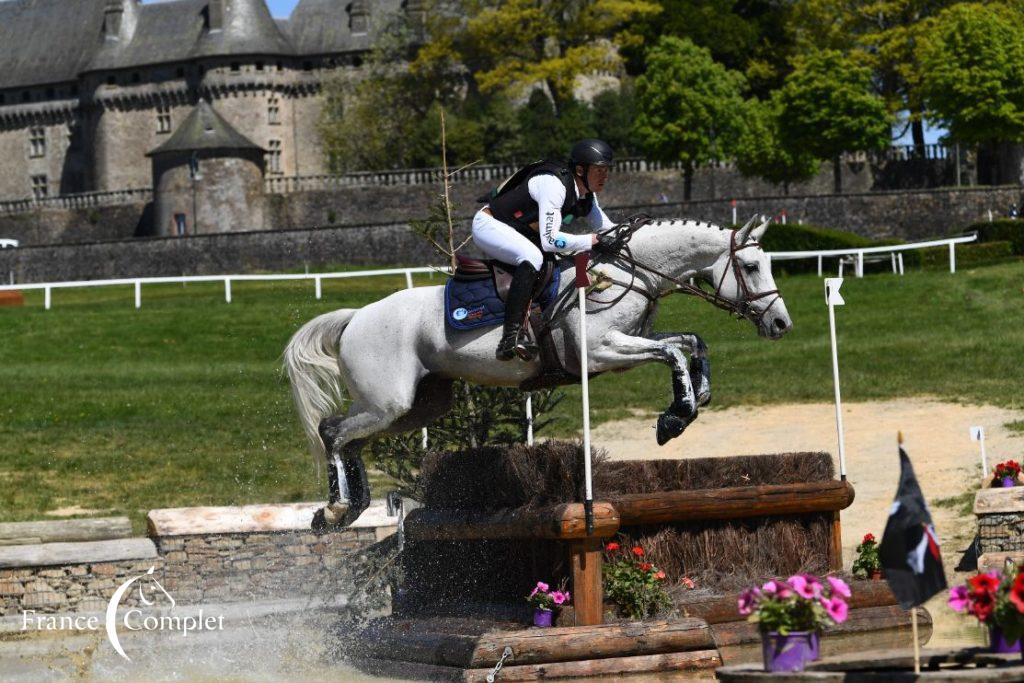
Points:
x=772 y=333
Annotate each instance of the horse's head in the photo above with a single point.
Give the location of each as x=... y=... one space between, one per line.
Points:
x=742 y=276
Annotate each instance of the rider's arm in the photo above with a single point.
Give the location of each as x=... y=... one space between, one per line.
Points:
x=549 y=193
x=598 y=218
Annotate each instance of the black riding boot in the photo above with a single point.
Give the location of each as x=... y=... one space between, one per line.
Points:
x=513 y=341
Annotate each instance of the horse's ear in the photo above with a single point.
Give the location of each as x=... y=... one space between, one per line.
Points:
x=757 y=233
x=744 y=232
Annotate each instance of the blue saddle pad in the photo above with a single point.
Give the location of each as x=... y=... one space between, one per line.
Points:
x=475 y=303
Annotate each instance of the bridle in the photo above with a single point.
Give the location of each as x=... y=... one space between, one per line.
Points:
x=741 y=308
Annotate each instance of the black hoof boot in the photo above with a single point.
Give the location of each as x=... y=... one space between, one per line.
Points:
x=671 y=425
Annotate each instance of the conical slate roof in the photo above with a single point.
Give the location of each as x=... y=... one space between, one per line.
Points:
x=204 y=128
x=45 y=41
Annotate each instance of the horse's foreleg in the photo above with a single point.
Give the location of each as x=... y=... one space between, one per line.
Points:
x=699 y=366
x=619 y=351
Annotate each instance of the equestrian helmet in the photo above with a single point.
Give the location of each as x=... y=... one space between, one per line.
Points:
x=591 y=152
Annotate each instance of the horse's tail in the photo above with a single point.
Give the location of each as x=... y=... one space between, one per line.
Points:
x=311 y=361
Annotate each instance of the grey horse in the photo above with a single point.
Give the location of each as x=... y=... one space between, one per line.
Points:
x=394 y=360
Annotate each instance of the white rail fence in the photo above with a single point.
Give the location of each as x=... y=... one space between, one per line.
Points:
x=857 y=256
x=8 y=244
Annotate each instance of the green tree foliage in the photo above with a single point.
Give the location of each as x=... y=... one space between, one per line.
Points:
x=761 y=152
x=828 y=107
x=972 y=78
x=689 y=107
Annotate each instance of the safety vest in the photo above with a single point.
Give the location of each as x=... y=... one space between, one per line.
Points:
x=512 y=204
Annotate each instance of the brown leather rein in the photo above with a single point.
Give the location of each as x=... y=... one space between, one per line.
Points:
x=741 y=308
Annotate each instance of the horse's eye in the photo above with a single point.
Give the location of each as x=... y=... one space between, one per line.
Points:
x=751 y=267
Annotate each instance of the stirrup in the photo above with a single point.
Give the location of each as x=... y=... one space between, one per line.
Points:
x=525 y=347
x=507 y=347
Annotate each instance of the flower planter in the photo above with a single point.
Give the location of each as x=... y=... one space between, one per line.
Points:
x=542 y=617
x=997 y=643
x=790 y=652
x=875 y=575
x=1008 y=482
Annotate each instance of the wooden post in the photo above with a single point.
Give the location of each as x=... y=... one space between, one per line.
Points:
x=835 y=555
x=587 y=592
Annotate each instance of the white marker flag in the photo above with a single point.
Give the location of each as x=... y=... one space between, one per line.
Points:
x=832 y=295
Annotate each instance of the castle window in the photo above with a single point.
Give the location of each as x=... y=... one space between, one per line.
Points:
x=110 y=80
x=163 y=118
x=259 y=66
x=74 y=91
x=50 y=93
x=235 y=66
x=37 y=142
x=180 y=73
x=307 y=66
x=26 y=96
x=135 y=77
x=274 y=111
x=39 y=186
x=280 y=66
x=274 y=157
x=2 y=97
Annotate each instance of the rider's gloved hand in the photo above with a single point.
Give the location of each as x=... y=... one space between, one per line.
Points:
x=607 y=244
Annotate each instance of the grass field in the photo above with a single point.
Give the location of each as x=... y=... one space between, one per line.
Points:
x=181 y=403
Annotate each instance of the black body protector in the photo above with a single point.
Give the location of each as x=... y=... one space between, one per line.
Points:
x=512 y=204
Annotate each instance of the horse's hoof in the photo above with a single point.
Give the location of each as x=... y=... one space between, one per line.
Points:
x=704 y=399
x=331 y=518
x=670 y=426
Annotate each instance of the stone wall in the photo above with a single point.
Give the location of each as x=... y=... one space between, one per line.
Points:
x=909 y=215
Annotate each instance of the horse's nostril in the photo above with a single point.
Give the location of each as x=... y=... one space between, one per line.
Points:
x=780 y=324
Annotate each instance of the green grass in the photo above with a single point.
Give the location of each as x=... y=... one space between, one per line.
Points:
x=181 y=403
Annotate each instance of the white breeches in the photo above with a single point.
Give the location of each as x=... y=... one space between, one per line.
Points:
x=501 y=241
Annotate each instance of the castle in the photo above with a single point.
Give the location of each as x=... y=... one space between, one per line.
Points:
x=89 y=88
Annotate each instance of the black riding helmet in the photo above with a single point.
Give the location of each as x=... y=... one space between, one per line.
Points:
x=590 y=152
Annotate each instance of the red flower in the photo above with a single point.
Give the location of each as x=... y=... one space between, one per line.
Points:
x=983 y=606
x=660 y=576
x=645 y=566
x=1017 y=593
x=868 y=538
x=984 y=584
x=638 y=551
x=612 y=547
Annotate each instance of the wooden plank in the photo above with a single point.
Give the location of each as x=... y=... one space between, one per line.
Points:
x=565 y=521
x=697 y=660
x=65 y=530
x=535 y=646
x=85 y=552
x=237 y=519
x=990 y=501
x=995 y=562
x=587 y=591
x=835 y=551
x=733 y=503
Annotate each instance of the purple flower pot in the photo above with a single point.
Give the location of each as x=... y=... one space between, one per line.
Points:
x=1009 y=482
x=997 y=643
x=542 y=617
x=790 y=652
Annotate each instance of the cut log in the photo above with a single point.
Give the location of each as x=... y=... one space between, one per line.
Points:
x=996 y=562
x=239 y=519
x=65 y=530
x=587 y=591
x=612 y=666
x=989 y=501
x=733 y=503
x=11 y=297
x=86 y=552
x=564 y=521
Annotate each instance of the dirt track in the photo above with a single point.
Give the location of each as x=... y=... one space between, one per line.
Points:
x=946 y=461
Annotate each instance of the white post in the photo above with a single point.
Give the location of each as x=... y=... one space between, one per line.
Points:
x=978 y=434
x=138 y=294
x=734 y=221
x=582 y=281
x=899 y=257
x=46 y=298
x=819 y=265
x=990 y=215
x=227 y=289
x=833 y=299
x=892 y=257
x=860 y=264
x=952 y=257
x=529 y=419
x=408 y=279
x=319 y=288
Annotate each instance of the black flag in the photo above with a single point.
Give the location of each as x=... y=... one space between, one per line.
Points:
x=909 y=551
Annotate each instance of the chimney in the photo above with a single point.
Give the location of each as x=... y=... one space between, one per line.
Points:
x=215 y=15
x=113 y=14
x=416 y=15
x=358 y=17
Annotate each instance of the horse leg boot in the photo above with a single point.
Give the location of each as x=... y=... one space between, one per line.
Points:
x=683 y=410
x=514 y=341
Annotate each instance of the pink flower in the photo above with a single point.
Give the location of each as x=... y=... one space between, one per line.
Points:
x=542 y=587
x=777 y=589
x=747 y=601
x=559 y=597
x=837 y=609
x=959 y=599
x=805 y=585
x=839 y=586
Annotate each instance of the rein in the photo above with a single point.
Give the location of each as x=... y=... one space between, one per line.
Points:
x=741 y=308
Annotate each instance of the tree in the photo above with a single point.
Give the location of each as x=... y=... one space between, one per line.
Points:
x=689 y=108
x=973 y=72
x=828 y=108
x=760 y=151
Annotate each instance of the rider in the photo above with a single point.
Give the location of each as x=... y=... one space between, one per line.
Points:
x=525 y=218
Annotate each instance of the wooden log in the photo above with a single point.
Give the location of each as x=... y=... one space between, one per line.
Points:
x=564 y=521
x=733 y=503
x=65 y=530
x=718 y=610
x=587 y=591
x=697 y=660
x=989 y=501
x=995 y=562
x=866 y=620
x=85 y=552
x=237 y=519
x=835 y=550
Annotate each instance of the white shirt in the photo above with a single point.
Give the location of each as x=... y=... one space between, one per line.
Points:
x=549 y=193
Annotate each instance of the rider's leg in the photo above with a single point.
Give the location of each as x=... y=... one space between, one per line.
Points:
x=500 y=241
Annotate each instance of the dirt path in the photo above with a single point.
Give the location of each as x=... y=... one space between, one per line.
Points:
x=946 y=461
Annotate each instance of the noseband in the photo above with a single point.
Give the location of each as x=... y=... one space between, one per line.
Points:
x=741 y=308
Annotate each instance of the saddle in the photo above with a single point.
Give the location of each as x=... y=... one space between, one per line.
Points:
x=475 y=295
